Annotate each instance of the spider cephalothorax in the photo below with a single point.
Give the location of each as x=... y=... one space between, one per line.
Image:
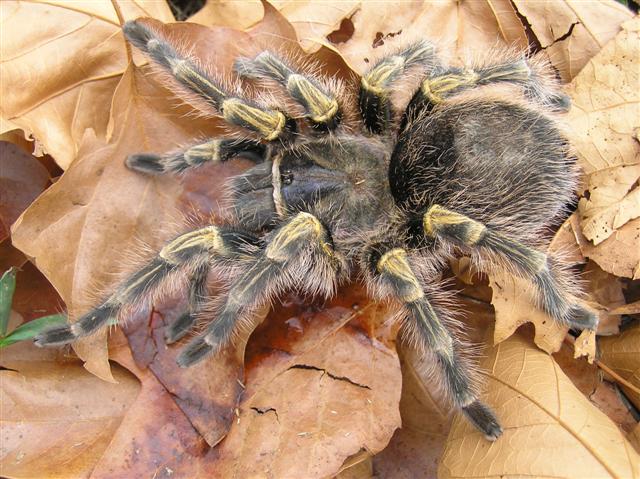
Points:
x=474 y=163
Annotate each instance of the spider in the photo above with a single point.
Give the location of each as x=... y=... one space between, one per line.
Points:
x=474 y=163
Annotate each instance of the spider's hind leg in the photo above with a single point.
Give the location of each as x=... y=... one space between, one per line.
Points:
x=191 y=251
x=215 y=150
x=396 y=278
x=441 y=85
x=551 y=283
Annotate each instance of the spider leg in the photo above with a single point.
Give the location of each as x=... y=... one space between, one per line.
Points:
x=376 y=83
x=197 y=293
x=269 y=124
x=191 y=251
x=542 y=270
x=398 y=279
x=441 y=85
x=322 y=109
x=214 y=150
x=300 y=245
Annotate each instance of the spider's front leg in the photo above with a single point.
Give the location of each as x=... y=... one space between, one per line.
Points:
x=300 y=253
x=551 y=282
x=190 y=252
x=395 y=277
x=214 y=150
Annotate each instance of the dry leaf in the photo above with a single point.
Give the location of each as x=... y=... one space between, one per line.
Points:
x=229 y=13
x=57 y=419
x=622 y=354
x=207 y=392
x=604 y=121
x=605 y=294
x=415 y=449
x=22 y=179
x=631 y=308
x=614 y=199
x=634 y=437
x=619 y=254
x=515 y=306
x=72 y=58
x=605 y=97
x=548 y=424
x=356 y=28
x=320 y=387
x=571 y=32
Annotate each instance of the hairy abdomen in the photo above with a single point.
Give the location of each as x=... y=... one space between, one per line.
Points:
x=503 y=164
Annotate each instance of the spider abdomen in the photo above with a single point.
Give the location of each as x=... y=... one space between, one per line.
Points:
x=501 y=163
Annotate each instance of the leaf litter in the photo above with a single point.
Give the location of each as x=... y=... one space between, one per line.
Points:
x=169 y=426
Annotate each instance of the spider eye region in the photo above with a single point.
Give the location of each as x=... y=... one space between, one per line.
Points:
x=286 y=177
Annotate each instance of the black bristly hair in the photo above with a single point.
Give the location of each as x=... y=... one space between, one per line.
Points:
x=476 y=161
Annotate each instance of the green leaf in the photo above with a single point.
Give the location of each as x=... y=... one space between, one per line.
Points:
x=7 y=287
x=30 y=329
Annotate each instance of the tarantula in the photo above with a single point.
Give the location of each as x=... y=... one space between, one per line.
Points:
x=474 y=163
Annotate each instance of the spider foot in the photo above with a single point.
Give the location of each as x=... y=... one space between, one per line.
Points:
x=483 y=419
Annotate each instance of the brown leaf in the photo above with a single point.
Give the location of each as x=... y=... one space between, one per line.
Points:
x=361 y=27
x=622 y=354
x=572 y=32
x=22 y=179
x=415 y=449
x=634 y=437
x=207 y=392
x=57 y=419
x=320 y=387
x=72 y=57
x=547 y=424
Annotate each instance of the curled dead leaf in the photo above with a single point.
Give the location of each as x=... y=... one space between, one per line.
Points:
x=547 y=424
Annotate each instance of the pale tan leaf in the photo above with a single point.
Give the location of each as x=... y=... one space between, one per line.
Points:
x=229 y=13
x=613 y=201
x=71 y=57
x=631 y=308
x=573 y=31
x=550 y=428
x=619 y=254
x=622 y=354
x=605 y=112
x=458 y=28
x=515 y=306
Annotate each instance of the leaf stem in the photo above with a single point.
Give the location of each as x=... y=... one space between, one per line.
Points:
x=121 y=19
